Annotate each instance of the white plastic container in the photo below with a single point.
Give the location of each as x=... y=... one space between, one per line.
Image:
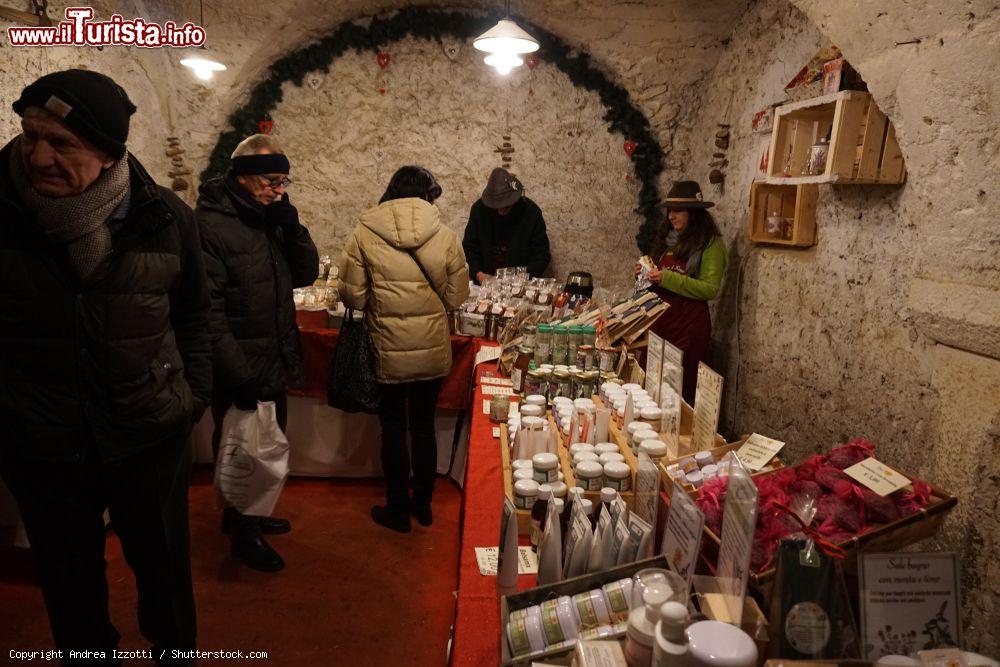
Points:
x=559 y=620
x=559 y=489
x=711 y=471
x=617 y=594
x=618 y=476
x=535 y=399
x=640 y=436
x=695 y=479
x=703 y=458
x=608 y=457
x=652 y=415
x=635 y=426
x=606 y=448
x=578 y=447
x=580 y=457
x=717 y=644
x=654 y=449
x=525 y=493
x=670 y=640
x=531 y=410
x=546 y=467
x=590 y=475
x=518 y=464
x=524 y=631
x=642 y=625
x=592 y=608
x=523 y=473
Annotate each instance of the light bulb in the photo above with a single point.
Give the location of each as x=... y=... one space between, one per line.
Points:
x=503 y=62
x=203 y=73
x=203 y=65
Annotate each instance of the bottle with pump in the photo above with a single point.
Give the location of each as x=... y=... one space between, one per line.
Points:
x=670 y=647
x=640 y=636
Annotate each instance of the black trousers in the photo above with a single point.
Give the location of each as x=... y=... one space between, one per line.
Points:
x=413 y=403
x=62 y=506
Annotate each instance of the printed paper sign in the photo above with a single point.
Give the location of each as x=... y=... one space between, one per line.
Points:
x=654 y=364
x=647 y=488
x=503 y=382
x=707 y=405
x=682 y=534
x=758 y=451
x=497 y=390
x=877 y=476
x=496 y=431
x=673 y=368
x=909 y=602
x=739 y=520
x=486 y=558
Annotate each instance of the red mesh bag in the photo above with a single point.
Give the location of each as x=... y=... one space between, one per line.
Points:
x=845 y=515
x=828 y=476
x=855 y=451
x=911 y=501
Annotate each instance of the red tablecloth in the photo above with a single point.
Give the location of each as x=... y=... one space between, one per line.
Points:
x=317 y=350
x=477 y=621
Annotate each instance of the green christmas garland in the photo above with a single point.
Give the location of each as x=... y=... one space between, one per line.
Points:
x=431 y=24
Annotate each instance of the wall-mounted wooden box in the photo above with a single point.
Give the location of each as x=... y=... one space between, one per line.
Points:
x=794 y=203
x=863 y=146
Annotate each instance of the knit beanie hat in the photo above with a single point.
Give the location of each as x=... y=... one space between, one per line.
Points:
x=91 y=104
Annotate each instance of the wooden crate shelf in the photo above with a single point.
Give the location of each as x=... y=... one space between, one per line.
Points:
x=863 y=147
x=795 y=202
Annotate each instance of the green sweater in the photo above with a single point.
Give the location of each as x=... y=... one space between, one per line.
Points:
x=705 y=284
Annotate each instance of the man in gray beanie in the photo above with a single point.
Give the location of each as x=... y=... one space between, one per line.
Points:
x=105 y=362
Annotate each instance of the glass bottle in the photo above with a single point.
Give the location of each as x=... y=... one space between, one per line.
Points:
x=543 y=344
x=560 y=343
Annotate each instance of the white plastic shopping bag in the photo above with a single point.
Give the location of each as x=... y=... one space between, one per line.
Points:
x=252 y=464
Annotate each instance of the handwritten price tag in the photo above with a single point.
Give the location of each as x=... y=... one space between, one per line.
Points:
x=877 y=476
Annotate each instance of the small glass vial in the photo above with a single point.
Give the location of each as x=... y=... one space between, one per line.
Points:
x=525 y=493
x=618 y=476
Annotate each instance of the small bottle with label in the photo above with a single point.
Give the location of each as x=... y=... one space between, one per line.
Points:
x=538 y=511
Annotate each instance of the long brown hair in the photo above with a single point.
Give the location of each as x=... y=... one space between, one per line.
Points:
x=700 y=231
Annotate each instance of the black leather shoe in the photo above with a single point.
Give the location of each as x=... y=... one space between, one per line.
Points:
x=393 y=520
x=422 y=513
x=270 y=525
x=256 y=553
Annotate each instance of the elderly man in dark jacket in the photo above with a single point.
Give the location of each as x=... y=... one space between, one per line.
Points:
x=505 y=229
x=255 y=253
x=105 y=362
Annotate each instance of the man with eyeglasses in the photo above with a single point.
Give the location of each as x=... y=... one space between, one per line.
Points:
x=256 y=252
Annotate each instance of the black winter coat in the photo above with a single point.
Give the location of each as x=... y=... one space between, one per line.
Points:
x=528 y=244
x=123 y=362
x=252 y=267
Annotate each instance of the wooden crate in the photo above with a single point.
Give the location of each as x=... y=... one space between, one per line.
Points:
x=567 y=462
x=583 y=583
x=863 y=146
x=797 y=202
x=717 y=454
x=524 y=516
x=889 y=537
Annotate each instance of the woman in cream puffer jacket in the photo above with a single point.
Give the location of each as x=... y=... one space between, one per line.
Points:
x=407 y=316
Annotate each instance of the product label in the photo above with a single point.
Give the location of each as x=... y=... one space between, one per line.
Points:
x=617 y=601
x=758 y=451
x=518 y=634
x=707 y=406
x=550 y=622
x=682 y=534
x=536 y=532
x=877 y=476
x=807 y=628
x=515 y=376
x=585 y=608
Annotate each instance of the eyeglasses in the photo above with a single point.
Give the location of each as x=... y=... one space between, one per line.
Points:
x=275 y=183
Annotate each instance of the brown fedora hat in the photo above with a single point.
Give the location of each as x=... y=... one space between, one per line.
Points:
x=685 y=194
x=502 y=190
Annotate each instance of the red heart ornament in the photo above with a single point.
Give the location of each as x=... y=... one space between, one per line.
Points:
x=265 y=126
x=630 y=147
x=382 y=58
x=381 y=91
x=532 y=60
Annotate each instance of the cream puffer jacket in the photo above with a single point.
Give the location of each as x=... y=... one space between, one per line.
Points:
x=407 y=320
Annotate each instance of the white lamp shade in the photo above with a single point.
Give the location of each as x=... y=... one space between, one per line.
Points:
x=506 y=37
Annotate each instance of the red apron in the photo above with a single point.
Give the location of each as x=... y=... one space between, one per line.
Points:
x=687 y=324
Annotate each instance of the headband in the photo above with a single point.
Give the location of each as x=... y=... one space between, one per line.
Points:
x=256 y=165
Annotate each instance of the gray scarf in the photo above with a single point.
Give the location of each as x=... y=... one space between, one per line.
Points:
x=693 y=261
x=77 y=222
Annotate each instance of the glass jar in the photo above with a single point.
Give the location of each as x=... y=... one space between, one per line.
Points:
x=774 y=225
x=818 y=153
x=519 y=372
x=607 y=356
x=589 y=335
x=560 y=343
x=577 y=388
x=573 y=342
x=530 y=332
x=543 y=344
x=587 y=384
x=544 y=380
x=561 y=384
x=533 y=382
x=585 y=357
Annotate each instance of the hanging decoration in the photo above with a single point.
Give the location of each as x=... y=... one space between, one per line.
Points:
x=621 y=115
x=382 y=59
x=630 y=147
x=266 y=125
x=178 y=170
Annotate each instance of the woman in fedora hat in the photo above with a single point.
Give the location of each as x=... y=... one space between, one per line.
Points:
x=505 y=229
x=691 y=258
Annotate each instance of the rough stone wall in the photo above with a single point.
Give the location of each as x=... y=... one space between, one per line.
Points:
x=346 y=139
x=843 y=339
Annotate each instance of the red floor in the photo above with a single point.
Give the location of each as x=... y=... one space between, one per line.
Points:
x=351 y=592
